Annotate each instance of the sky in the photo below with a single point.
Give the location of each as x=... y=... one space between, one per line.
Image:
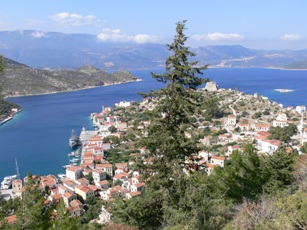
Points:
x=261 y=24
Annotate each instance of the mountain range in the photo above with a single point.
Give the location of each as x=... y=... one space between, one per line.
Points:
x=69 y=51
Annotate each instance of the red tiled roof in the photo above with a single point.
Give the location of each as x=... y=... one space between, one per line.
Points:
x=134 y=194
x=218 y=158
x=11 y=219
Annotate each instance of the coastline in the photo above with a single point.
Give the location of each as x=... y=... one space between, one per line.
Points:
x=72 y=90
x=6 y=120
x=11 y=116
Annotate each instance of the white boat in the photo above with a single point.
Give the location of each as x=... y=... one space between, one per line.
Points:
x=74 y=160
x=66 y=166
x=7 y=182
x=74 y=153
x=62 y=175
x=74 y=140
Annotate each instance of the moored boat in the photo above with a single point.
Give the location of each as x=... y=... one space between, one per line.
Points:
x=7 y=182
x=74 y=140
x=74 y=160
x=62 y=175
x=66 y=166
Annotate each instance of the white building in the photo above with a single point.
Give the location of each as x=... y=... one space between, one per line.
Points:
x=267 y=146
x=123 y=104
x=300 y=108
x=281 y=120
x=74 y=172
x=99 y=175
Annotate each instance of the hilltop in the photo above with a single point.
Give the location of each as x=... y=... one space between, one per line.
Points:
x=19 y=79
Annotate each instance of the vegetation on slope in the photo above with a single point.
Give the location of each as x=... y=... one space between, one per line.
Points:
x=19 y=79
x=5 y=106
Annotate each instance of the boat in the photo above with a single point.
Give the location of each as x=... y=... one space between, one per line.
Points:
x=7 y=182
x=62 y=175
x=74 y=140
x=66 y=166
x=74 y=154
x=284 y=90
x=74 y=160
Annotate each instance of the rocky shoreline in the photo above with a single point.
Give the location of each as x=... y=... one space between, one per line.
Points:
x=71 y=90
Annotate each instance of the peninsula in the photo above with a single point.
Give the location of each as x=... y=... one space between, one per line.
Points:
x=21 y=80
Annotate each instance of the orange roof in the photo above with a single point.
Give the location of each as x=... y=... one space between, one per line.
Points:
x=86 y=189
x=264 y=133
x=98 y=158
x=17 y=181
x=87 y=163
x=69 y=183
x=11 y=219
x=121 y=175
x=95 y=138
x=82 y=180
x=74 y=168
x=134 y=194
x=93 y=187
x=103 y=182
x=75 y=203
x=210 y=165
x=62 y=187
x=218 y=158
x=57 y=197
x=88 y=154
x=106 y=165
x=138 y=185
x=68 y=195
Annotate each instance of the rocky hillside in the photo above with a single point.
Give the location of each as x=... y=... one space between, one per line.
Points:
x=19 y=79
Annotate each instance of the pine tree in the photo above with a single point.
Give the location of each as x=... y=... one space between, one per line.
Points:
x=242 y=177
x=33 y=214
x=167 y=142
x=166 y=137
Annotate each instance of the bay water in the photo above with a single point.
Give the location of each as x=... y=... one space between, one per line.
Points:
x=38 y=136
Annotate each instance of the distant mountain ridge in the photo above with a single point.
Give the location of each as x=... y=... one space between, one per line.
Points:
x=19 y=79
x=70 y=51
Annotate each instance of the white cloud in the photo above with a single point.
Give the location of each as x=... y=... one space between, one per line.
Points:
x=218 y=37
x=75 y=19
x=112 y=35
x=144 y=38
x=39 y=34
x=291 y=37
x=116 y=35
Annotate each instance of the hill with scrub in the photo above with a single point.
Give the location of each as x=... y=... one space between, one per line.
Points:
x=18 y=79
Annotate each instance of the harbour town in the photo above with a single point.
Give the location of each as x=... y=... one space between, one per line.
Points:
x=103 y=161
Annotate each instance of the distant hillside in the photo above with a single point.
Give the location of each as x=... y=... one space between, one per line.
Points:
x=298 y=65
x=70 y=51
x=19 y=79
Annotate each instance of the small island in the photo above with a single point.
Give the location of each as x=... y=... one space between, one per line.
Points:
x=284 y=90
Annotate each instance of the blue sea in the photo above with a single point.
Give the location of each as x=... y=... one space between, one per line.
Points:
x=38 y=136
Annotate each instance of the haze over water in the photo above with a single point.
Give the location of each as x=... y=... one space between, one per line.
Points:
x=38 y=136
